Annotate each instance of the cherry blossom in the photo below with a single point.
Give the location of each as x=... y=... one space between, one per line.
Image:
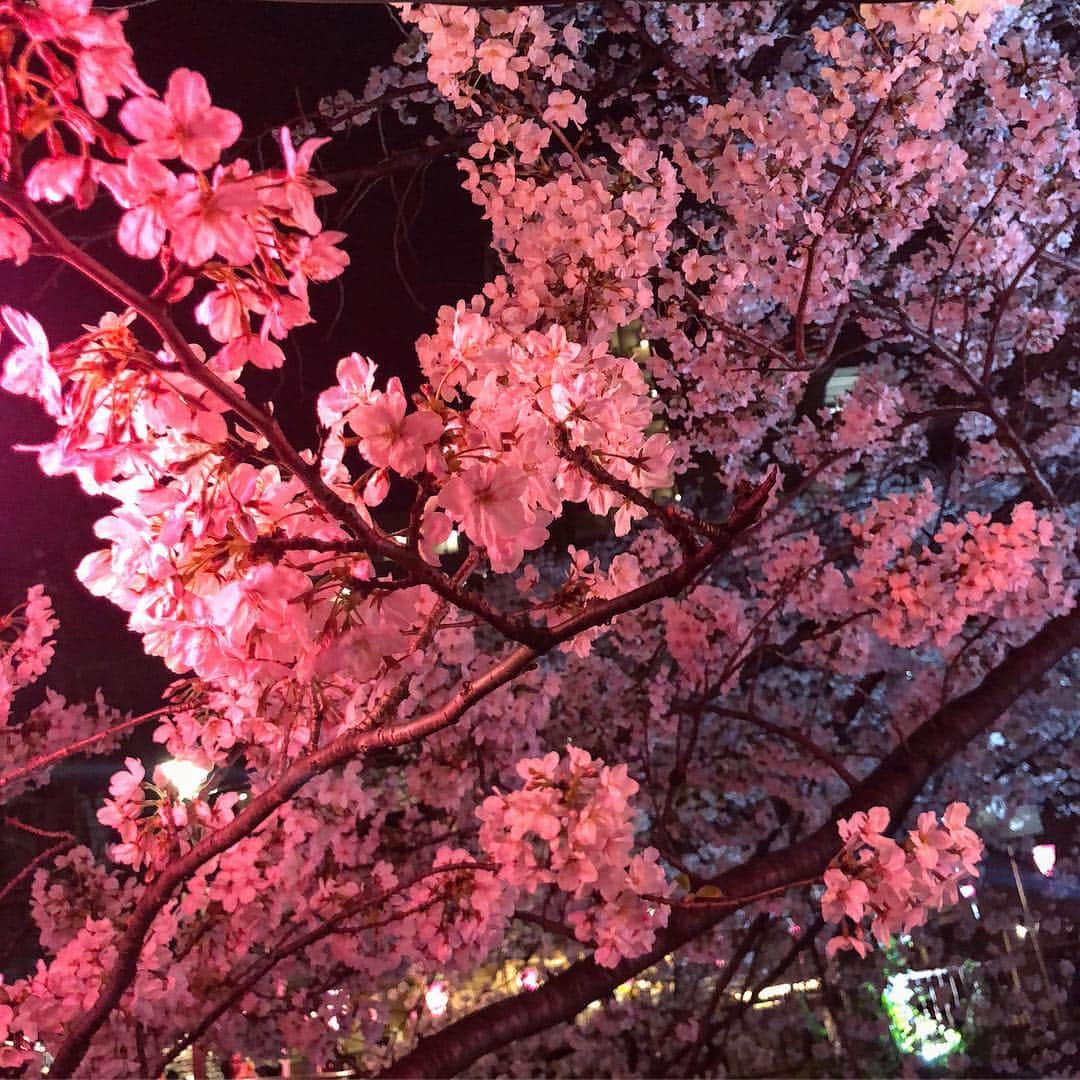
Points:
x=896 y=883
x=735 y=505
x=183 y=124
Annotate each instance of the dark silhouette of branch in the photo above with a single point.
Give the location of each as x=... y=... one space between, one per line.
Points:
x=894 y=784
x=378 y=732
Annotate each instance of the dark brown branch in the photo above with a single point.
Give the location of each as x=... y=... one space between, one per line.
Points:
x=1006 y=297
x=668 y=517
x=1005 y=432
x=749 y=940
x=797 y=737
x=826 y=212
x=77 y=747
x=66 y=840
x=893 y=784
x=156 y=314
x=242 y=984
x=353 y=744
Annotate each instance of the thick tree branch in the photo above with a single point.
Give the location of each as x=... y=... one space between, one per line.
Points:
x=379 y=732
x=894 y=783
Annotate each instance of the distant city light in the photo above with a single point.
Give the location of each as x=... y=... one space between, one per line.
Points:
x=1045 y=855
x=914 y=1031
x=779 y=990
x=451 y=545
x=185 y=776
x=437 y=998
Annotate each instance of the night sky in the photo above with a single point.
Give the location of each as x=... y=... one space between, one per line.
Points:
x=269 y=62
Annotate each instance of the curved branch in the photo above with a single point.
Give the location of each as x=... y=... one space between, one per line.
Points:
x=797 y=737
x=830 y=203
x=894 y=783
x=66 y=840
x=241 y=984
x=353 y=744
x=156 y=314
x=1006 y=297
x=1005 y=431
x=44 y=760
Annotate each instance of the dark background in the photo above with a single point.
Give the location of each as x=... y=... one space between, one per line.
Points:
x=270 y=62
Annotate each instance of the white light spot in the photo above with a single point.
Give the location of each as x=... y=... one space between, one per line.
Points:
x=451 y=545
x=437 y=998
x=185 y=776
x=1045 y=855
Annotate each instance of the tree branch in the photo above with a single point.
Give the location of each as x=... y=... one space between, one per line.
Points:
x=241 y=984
x=371 y=736
x=791 y=735
x=44 y=760
x=894 y=784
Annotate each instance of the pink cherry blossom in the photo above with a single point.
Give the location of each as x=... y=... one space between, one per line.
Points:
x=486 y=499
x=297 y=190
x=388 y=437
x=626 y=513
x=896 y=883
x=27 y=368
x=563 y=108
x=184 y=124
x=843 y=896
x=216 y=222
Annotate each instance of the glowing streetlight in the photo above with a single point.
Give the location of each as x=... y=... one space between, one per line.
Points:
x=1045 y=855
x=185 y=776
x=436 y=998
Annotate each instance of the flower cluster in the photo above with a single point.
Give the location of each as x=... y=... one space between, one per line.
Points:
x=253 y=236
x=680 y=270
x=925 y=592
x=154 y=824
x=26 y=645
x=495 y=432
x=463 y=44
x=456 y=917
x=26 y=651
x=571 y=826
x=894 y=884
